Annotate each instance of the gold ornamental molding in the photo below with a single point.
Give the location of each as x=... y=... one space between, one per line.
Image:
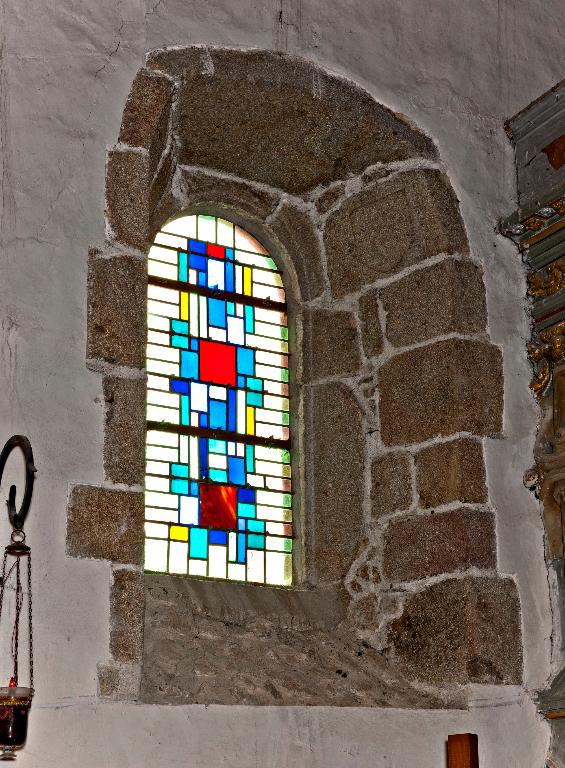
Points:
x=529 y=230
x=544 y=355
x=542 y=284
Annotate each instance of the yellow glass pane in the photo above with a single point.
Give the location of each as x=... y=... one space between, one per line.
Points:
x=247 y=281
x=184 y=306
x=179 y=533
x=250 y=420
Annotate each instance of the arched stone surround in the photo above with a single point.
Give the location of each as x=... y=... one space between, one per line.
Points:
x=399 y=385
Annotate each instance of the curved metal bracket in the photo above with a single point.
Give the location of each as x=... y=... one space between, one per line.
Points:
x=17 y=519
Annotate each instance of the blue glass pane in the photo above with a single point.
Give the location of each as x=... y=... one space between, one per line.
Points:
x=217 y=415
x=196 y=246
x=245 y=361
x=241 y=547
x=218 y=537
x=245 y=510
x=180 y=387
x=232 y=412
x=179 y=326
x=197 y=262
x=183 y=267
x=199 y=543
x=179 y=486
x=236 y=471
x=217 y=313
x=254 y=541
x=189 y=365
x=181 y=342
x=255 y=398
x=184 y=410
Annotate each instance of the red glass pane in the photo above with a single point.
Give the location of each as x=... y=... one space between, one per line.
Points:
x=217 y=363
x=217 y=251
x=218 y=506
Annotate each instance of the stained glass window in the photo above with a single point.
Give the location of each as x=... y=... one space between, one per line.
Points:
x=218 y=500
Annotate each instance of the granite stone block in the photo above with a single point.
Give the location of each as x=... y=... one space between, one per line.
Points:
x=105 y=524
x=427 y=545
x=452 y=471
x=441 y=389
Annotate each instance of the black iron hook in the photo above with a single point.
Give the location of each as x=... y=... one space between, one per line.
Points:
x=17 y=519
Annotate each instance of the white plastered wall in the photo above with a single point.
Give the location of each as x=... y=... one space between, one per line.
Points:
x=458 y=70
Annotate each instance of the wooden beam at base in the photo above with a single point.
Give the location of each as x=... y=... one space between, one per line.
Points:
x=463 y=750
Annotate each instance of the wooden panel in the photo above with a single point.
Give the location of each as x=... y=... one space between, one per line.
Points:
x=463 y=750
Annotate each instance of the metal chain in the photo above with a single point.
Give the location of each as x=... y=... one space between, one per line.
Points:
x=16 y=632
x=3 y=581
x=30 y=607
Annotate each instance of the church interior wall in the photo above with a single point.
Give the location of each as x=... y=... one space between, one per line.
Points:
x=457 y=73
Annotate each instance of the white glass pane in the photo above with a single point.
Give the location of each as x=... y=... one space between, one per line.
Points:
x=162 y=367
x=217 y=334
x=271 y=431
x=255 y=565
x=163 y=515
x=236 y=333
x=217 y=561
x=157 y=467
x=156 y=555
x=159 y=453
x=178 y=557
x=156 y=437
x=225 y=233
x=247 y=242
x=216 y=274
x=168 y=399
x=207 y=228
x=276 y=514
x=199 y=397
x=164 y=415
x=160 y=308
x=184 y=226
x=157 y=483
x=197 y=567
x=278 y=483
x=157 y=531
x=279 y=568
x=236 y=571
x=168 y=255
x=266 y=342
x=158 y=269
x=158 y=323
x=268 y=292
x=173 y=241
x=157 y=382
x=167 y=500
x=216 y=461
x=189 y=510
x=158 y=293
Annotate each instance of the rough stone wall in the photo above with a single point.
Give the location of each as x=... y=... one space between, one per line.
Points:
x=457 y=70
x=396 y=375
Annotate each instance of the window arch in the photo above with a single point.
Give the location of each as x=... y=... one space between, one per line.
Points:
x=218 y=498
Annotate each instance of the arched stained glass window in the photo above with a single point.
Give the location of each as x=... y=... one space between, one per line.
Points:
x=218 y=489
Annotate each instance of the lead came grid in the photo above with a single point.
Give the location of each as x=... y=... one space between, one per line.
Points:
x=218 y=500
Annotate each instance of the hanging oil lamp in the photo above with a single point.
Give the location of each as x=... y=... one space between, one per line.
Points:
x=15 y=698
